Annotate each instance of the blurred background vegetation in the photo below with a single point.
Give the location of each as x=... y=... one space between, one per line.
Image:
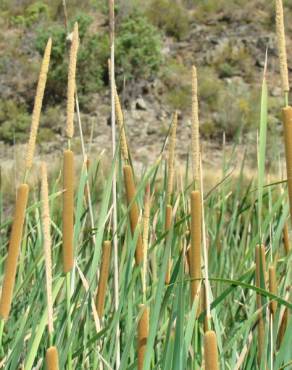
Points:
x=156 y=43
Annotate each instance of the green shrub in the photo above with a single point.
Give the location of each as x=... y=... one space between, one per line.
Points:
x=171 y=17
x=35 y=12
x=137 y=55
x=138 y=48
x=89 y=77
x=176 y=78
x=14 y=121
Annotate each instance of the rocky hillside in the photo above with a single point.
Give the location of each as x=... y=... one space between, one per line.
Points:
x=227 y=42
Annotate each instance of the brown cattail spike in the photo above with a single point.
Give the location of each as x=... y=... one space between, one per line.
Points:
x=72 y=82
x=68 y=211
x=211 y=351
x=280 y=29
x=168 y=217
x=134 y=210
x=283 y=327
x=287 y=120
x=273 y=288
x=286 y=238
x=103 y=279
x=260 y=274
x=143 y=331
x=52 y=359
x=196 y=237
x=13 y=251
x=38 y=105
x=46 y=223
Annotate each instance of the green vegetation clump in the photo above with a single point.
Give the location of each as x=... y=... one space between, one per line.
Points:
x=14 y=121
x=169 y=16
x=32 y=14
x=138 y=53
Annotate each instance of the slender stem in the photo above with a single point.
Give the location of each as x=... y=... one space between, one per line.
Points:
x=286 y=97
x=113 y=123
x=68 y=301
x=2 y=323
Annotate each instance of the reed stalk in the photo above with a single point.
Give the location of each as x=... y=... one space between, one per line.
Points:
x=111 y=5
x=146 y=219
x=46 y=223
x=211 y=351
x=143 y=332
x=168 y=218
x=38 y=106
x=196 y=238
x=287 y=121
x=171 y=154
x=134 y=210
x=260 y=276
x=121 y=125
x=103 y=278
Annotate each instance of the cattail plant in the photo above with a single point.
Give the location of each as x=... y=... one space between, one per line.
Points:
x=68 y=181
x=68 y=211
x=121 y=125
x=38 y=105
x=52 y=359
x=13 y=251
x=52 y=352
x=273 y=288
x=71 y=90
x=169 y=191
x=143 y=331
x=211 y=351
x=196 y=236
x=286 y=238
x=103 y=278
x=146 y=219
x=287 y=121
x=134 y=210
x=195 y=127
x=280 y=30
x=260 y=280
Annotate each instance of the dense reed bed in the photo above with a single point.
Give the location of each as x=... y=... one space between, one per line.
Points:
x=144 y=270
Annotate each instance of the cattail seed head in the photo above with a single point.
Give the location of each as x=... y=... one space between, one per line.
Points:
x=134 y=210
x=68 y=211
x=287 y=121
x=38 y=105
x=143 y=331
x=72 y=82
x=13 y=251
x=146 y=218
x=46 y=222
x=286 y=239
x=211 y=351
x=196 y=237
x=103 y=278
x=171 y=159
x=195 y=127
x=121 y=124
x=52 y=359
x=273 y=288
x=280 y=30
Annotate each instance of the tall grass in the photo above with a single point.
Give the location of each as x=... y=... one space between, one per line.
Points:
x=150 y=325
